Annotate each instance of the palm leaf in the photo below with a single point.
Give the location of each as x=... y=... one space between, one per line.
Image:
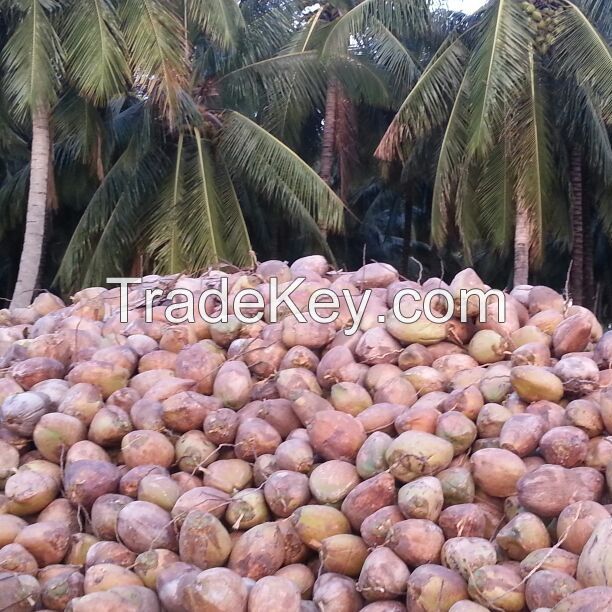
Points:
x=583 y=54
x=532 y=158
x=132 y=179
x=499 y=63
x=401 y=16
x=453 y=164
x=156 y=41
x=221 y=20
x=247 y=148
x=389 y=53
x=162 y=228
x=495 y=198
x=32 y=59
x=297 y=75
x=95 y=50
x=361 y=80
x=429 y=103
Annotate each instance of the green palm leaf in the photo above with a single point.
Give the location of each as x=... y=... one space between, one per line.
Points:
x=453 y=164
x=297 y=75
x=32 y=59
x=495 y=198
x=249 y=151
x=94 y=46
x=388 y=52
x=499 y=63
x=582 y=53
x=532 y=158
x=401 y=16
x=156 y=41
x=221 y=20
x=429 y=103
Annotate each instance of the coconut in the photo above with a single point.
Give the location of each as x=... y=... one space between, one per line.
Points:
x=460 y=520
x=336 y=592
x=246 y=509
x=421 y=499
x=145 y=447
x=332 y=481
x=21 y=412
x=418 y=418
x=414 y=355
x=371 y=456
x=301 y=576
x=280 y=414
x=48 y=541
x=432 y=587
x=82 y=401
x=549 y=559
x=55 y=433
x=286 y=491
x=524 y=534
x=488 y=346
x=204 y=541
x=109 y=426
x=416 y=541
x=258 y=552
x=498 y=585
x=383 y=576
x=85 y=481
x=343 y=553
x=142 y=525
x=109 y=552
x=533 y=383
x=193 y=451
x=415 y=453
x=467 y=554
x=497 y=471
x=457 y=485
x=314 y=523
x=336 y=435
x=229 y=475
x=274 y=594
x=566 y=446
x=367 y=497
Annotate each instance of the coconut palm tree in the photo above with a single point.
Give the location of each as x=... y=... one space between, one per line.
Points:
x=190 y=197
x=96 y=48
x=491 y=95
x=194 y=79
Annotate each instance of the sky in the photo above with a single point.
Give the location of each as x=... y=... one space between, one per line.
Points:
x=467 y=6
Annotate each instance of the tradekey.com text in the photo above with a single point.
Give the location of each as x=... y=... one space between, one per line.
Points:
x=220 y=305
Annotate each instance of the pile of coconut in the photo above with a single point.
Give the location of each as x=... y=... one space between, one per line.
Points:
x=457 y=466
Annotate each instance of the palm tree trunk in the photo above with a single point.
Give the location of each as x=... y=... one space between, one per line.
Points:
x=346 y=142
x=329 y=132
x=521 y=246
x=576 y=276
x=29 y=265
x=406 y=251
x=589 y=272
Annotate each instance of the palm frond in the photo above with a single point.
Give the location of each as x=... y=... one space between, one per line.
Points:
x=532 y=158
x=361 y=80
x=429 y=103
x=131 y=180
x=584 y=55
x=32 y=59
x=155 y=38
x=390 y=54
x=499 y=63
x=221 y=20
x=402 y=16
x=162 y=227
x=495 y=198
x=297 y=75
x=453 y=164
x=95 y=50
x=236 y=242
x=247 y=148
